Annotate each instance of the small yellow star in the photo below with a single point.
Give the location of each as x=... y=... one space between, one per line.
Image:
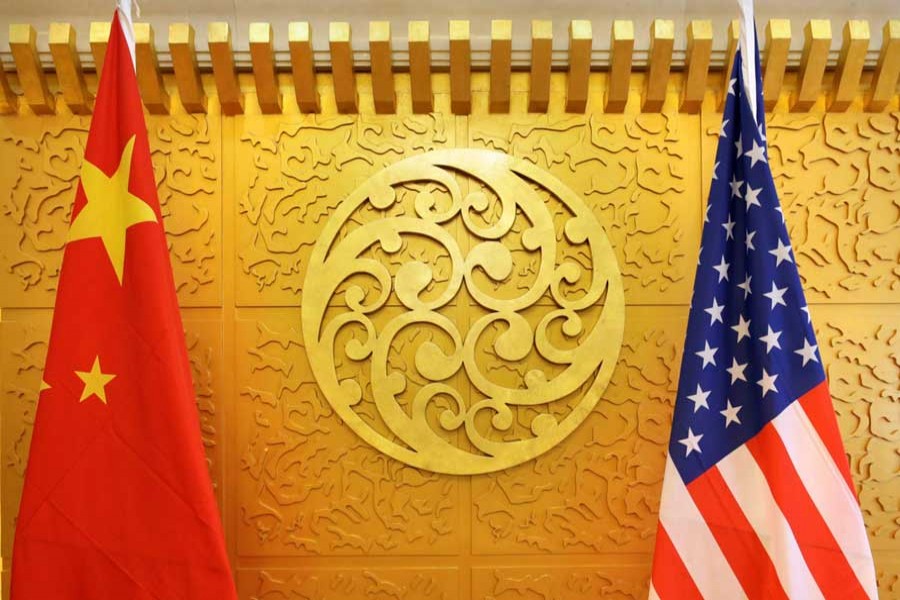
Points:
x=95 y=382
x=44 y=386
x=111 y=209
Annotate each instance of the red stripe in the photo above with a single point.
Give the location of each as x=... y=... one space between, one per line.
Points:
x=824 y=557
x=816 y=403
x=736 y=537
x=670 y=577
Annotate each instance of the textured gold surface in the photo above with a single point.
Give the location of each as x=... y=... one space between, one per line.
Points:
x=313 y=511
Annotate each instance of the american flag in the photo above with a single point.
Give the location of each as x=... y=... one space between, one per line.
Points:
x=757 y=498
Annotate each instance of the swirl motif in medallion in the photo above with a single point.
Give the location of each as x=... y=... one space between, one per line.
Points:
x=463 y=311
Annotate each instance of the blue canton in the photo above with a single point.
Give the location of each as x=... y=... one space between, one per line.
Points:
x=750 y=349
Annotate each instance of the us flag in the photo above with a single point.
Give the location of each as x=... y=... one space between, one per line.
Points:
x=757 y=499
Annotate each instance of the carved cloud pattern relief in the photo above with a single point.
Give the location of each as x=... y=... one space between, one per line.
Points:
x=36 y=202
x=301 y=490
x=838 y=178
x=310 y=486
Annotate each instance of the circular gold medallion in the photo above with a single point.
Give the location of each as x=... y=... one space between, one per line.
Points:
x=463 y=311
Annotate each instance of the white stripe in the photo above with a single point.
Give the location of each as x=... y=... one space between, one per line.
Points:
x=653 y=595
x=748 y=485
x=693 y=540
x=829 y=491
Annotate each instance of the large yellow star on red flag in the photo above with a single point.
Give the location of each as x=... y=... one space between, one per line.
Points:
x=95 y=382
x=111 y=209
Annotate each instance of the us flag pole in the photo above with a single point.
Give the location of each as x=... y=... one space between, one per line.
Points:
x=757 y=500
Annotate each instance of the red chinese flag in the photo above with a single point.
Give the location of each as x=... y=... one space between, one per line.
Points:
x=118 y=502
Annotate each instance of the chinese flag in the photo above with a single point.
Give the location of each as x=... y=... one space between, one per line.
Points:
x=118 y=502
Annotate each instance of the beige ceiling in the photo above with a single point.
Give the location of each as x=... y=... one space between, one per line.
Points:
x=241 y=13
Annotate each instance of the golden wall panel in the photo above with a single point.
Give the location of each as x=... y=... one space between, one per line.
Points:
x=337 y=584
x=186 y=150
x=839 y=180
x=24 y=348
x=42 y=162
x=638 y=173
x=311 y=510
x=838 y=176
x=888 y=573
x=293 y=169
x=36 y=200
x=608 y=581
x=206 y=352
x=598 y=491
x=307 y=484
x=860 y=352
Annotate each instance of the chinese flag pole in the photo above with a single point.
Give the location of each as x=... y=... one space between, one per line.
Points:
x=118 y=502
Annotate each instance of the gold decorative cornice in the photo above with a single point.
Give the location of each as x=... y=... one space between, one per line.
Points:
x=582 y=52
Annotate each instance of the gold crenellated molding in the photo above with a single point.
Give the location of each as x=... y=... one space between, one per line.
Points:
x=419 y=36
x=222 y=56
x=187 y=71
x=854 y=46
x=27 y=68
x=460 y=68
x=99 y=37
x=32 y=79
x=817 y=41
x=887 y=71
x=542 y=64
x=262 y=55
x=699 y=52
x=501 y=65
x=775 y=59
x=662 y=41
x=342 y=62
x=621 y=60
x=380 y=50
x=68 y=68
x=581 y=39
x=9 y=101
x=303 y=68
x=149 y=77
